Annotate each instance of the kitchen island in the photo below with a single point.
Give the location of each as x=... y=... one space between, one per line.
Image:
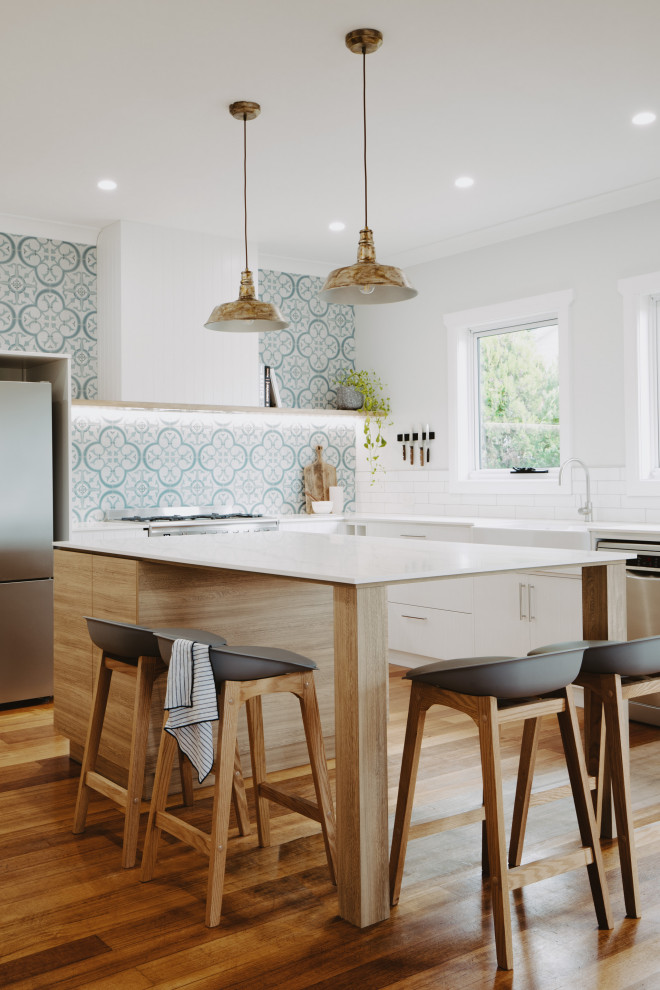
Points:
x=302 y=583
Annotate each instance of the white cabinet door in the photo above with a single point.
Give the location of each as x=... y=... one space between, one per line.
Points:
x=555 y=608
x=501 y=625
x=515 y=613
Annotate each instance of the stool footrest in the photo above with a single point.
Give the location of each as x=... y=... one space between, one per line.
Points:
x=555 y=793
x=301 y=805
x=420 y=830
x=184 y=831
x=108 y=788
x=550 y=866
x=647 y=816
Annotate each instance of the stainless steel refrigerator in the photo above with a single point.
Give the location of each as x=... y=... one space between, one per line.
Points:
x=26 y=541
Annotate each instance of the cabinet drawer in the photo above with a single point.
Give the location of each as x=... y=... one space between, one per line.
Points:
x=430 y=632
x=454 y=594
x=316 y=525
x=421 y=531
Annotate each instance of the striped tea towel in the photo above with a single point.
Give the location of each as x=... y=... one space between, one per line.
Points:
x=192 y=703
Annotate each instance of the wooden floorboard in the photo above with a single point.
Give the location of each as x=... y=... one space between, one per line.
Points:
x=71 y=918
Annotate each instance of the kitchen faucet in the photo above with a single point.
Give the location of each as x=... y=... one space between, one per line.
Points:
x=585 y=510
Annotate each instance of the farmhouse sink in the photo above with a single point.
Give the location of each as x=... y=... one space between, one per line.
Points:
x=569 y=536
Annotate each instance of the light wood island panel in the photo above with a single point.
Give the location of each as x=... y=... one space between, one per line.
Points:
x=245 y=608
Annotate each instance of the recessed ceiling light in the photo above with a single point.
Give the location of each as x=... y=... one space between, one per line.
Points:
x=464 y=182
x=107 y=185
x=644 y=118
x=337 y=225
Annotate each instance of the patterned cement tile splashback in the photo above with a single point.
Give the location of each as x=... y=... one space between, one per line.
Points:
x=48 y=303
x=124 y=457
x=319 y=342
x=135 y=458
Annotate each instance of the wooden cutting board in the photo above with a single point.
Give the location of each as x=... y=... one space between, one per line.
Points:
x=318 y=478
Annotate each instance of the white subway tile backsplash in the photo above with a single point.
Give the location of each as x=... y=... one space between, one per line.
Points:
x=611 y=504
x=607 y=474
x=608 y=487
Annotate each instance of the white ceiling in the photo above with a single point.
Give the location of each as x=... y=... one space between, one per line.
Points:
x=533 y=98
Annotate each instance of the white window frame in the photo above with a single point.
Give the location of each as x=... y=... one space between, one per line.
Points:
x=642 y=382
x=464 y=474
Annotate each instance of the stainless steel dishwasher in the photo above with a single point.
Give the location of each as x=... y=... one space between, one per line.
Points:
x=643 y=607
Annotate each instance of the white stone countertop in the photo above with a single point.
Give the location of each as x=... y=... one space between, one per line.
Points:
x=335 y=559
x=648 y=530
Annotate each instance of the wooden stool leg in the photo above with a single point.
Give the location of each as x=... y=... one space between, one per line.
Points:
x=146 y=674
x=258 y=757
x=186 y=776
x=577 y=772
x=94 y=730
x=238 y=796
x=309 y=707
x=228 y=710
x=618 y=761
x=529 y=747
x=489 y=742
x=596 y=758
x=166 y=753
x=408 y=777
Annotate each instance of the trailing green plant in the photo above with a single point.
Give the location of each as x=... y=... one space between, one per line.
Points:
x=377 y=409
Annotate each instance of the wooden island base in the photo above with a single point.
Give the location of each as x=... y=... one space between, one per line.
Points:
x=245 y=608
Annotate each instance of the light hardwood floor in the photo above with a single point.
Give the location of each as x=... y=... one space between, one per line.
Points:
x=70 y=917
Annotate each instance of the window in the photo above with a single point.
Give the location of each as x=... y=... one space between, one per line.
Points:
x=508 y=376
x=517 y=394
x=641 y=318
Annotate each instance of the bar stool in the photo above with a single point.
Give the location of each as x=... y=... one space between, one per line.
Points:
x=612 y=672
x=495 y=691
x=133 y=650
x=242 y=674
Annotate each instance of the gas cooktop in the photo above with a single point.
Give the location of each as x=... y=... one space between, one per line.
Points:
x=182 y=513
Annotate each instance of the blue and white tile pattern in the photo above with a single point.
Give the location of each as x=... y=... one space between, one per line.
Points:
x=48 y=303
x=319 y=342
x=125 y=458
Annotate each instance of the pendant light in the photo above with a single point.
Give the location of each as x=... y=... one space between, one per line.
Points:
x=366 y=282
x=246 y=314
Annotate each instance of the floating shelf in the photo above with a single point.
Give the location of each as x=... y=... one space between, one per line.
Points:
x=188 y=407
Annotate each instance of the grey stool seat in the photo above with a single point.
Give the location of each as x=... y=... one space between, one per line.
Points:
x=612 y=672
x=242 y=663
x=242 y=674
x=495 y=691
x=125 y=642
x=505 y=678
x=131 y=649
x=632 y=658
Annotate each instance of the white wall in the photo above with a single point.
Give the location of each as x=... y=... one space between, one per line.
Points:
x=156 y=289
x=406 y=343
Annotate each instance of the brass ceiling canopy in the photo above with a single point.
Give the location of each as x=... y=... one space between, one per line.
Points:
x=366 y=282
x=246 y=314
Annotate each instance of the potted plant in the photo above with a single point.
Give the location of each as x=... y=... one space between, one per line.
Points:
x=368 y=386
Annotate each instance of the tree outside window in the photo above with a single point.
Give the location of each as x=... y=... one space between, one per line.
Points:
x=518 y=397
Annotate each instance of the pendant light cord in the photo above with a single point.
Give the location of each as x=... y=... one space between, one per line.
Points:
x=364 y=118
x=245 y=187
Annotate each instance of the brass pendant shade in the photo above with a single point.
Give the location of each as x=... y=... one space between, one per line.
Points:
x=366 y=282
x=246 y=314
